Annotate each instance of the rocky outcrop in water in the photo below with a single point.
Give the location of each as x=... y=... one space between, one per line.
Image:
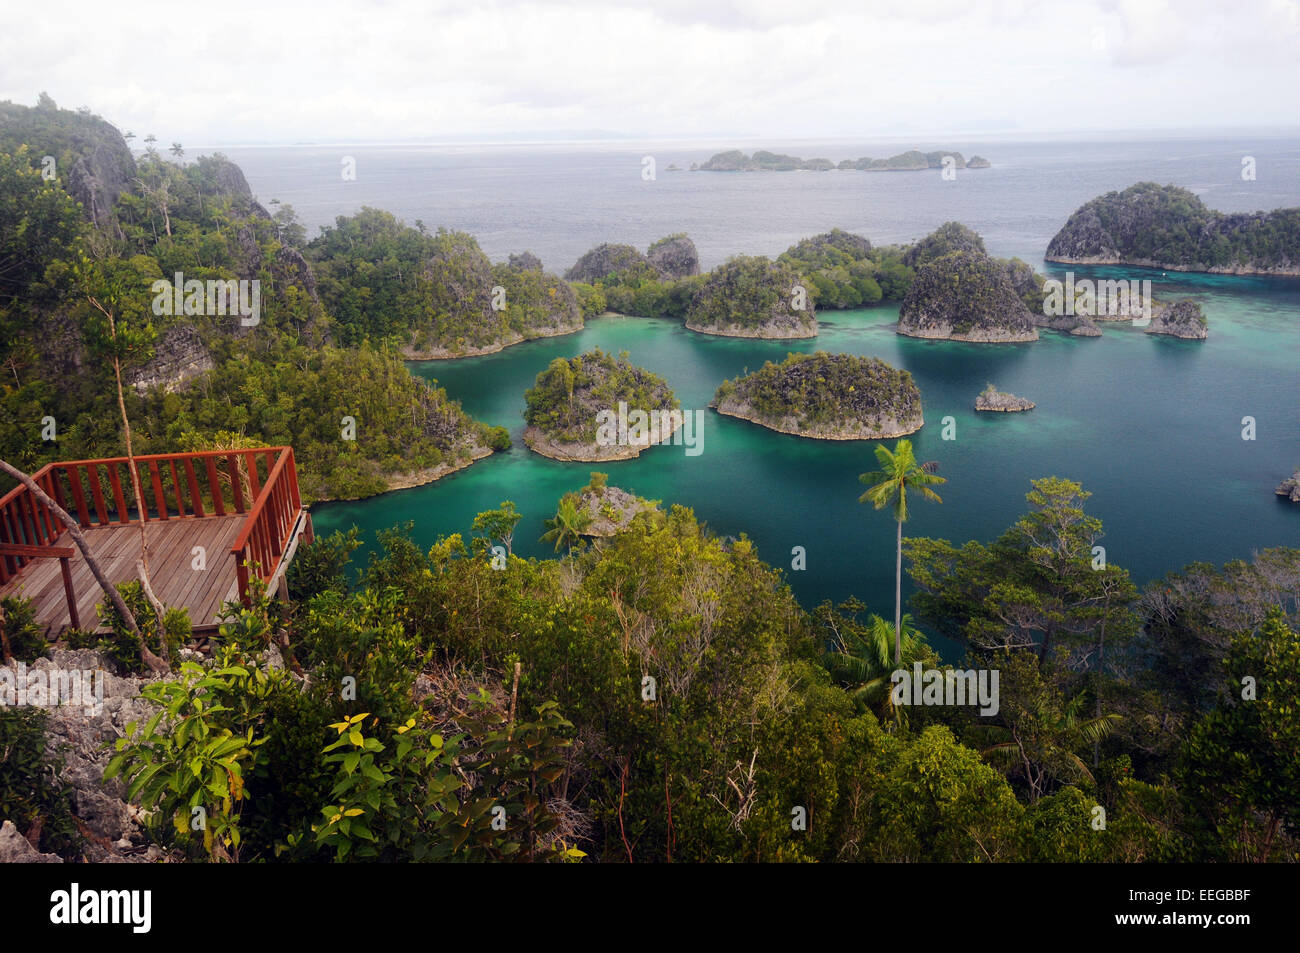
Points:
x=1182 y=319
x=992 y=399
x=611 y=509
x=1290 y=487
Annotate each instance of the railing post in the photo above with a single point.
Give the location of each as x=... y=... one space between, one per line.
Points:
x=241 y=577
x=73 y=617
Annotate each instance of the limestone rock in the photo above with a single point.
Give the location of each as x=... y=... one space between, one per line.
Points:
x=995 y=400
x=14 y=848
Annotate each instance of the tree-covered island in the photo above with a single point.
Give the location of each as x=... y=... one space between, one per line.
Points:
x=568 y=407
x=826 y=396
x=1165 y=226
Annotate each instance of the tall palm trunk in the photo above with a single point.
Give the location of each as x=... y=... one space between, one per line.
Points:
x=898 y=599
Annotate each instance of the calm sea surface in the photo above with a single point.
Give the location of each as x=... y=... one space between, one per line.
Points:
x=1152 y=426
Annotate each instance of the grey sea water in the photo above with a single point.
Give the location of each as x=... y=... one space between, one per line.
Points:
x=1152 y=426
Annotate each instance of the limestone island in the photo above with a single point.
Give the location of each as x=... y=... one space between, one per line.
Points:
x=461 y=305
x=992 y=399
x=609 y=508
x=597 y=407
x=1290 y=487
x=825 y=396
x=671 y=257
x=1182 y=319
x=965 y=296
x=733 y=160
x=1170 y=227
x=753 y=297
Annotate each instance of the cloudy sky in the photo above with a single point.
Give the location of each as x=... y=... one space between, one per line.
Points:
x=332 y=70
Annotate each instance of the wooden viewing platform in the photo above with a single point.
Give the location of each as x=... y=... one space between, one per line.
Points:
x=242 y=507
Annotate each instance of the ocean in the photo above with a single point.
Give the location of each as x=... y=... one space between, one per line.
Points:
x=1151 y=426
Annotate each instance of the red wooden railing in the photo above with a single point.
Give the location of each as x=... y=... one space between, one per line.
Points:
x=262 y=483
x=265 y=537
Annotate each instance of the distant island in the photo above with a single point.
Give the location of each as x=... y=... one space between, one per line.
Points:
x=563 y=407
x=733 y=160
x=753 y=297
x=825 y=396
x=1170 y=227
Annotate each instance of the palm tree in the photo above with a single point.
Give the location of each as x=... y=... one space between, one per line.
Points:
x=888 y=486
x=568 y=524
x=860 y=660
x=1042 y=745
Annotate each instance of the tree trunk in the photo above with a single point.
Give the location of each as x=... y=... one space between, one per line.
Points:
x=152 y=661
x=142 y=567
x=898 y=599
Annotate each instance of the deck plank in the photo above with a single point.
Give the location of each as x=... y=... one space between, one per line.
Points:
x=117 y=548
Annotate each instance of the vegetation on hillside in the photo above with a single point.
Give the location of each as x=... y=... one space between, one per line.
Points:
x=1170 y=227
x=289 y=375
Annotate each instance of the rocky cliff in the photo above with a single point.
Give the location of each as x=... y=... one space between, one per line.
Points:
x=1171 y=228
x=674 y=257
x=964 y=296
x=1182 y=319
x=753 y=297
x=992 y=399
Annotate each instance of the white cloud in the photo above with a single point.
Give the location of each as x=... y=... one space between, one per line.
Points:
x=248 y=71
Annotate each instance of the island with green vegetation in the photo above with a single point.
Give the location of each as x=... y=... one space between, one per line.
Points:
x=964 y=295
x=564 y=407
x=914 y=160
x=844 y=270
x=825 y=396
x=94 y=238
x=434 y=296
x=1165 y=226
x=994 y=400
x=605 y=510
x=1181 y=319
x=753 y=297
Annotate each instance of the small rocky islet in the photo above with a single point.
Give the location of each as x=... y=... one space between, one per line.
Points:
x=993 y=400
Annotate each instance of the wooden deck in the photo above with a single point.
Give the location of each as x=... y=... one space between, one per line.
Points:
x=242 y=506
x=176 y=583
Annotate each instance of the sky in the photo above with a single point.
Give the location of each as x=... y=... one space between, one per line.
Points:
x=328 y=71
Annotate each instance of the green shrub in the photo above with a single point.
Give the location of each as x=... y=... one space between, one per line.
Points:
x=31 y=793
x=24 y=636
